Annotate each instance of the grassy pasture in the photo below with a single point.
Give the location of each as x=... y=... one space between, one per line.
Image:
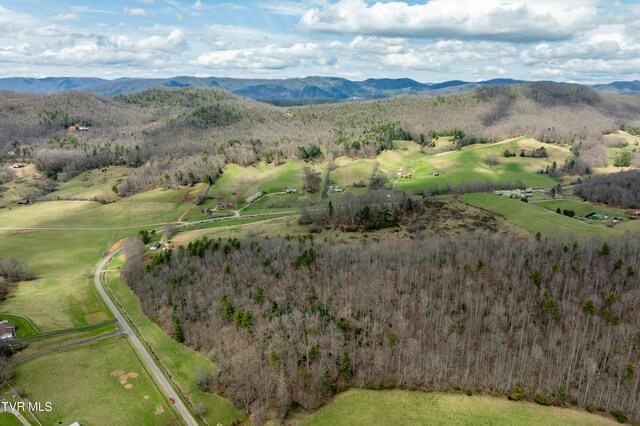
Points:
x=534 y=218
x=88 y=389
x=361 y=407
x=467 y=165
x=582 y=209
x=238 y=183
x=92 y=184
x=183 y=362
x=26 y=182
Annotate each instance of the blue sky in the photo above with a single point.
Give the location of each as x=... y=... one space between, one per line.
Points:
x=563 y=40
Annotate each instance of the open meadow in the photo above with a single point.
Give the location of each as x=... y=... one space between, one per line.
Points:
x=99 y=384
x=364 y=407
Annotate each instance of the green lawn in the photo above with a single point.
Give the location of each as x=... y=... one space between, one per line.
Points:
x=83 y=385
x=360 y=407
x=534 y=218
x=181 y=361
x=8 y=419
x=24 y=327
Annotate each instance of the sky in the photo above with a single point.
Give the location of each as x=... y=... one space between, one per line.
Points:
x=585 y=41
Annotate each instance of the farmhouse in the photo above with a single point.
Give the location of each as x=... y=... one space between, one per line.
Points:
x=7 y=330
x=404 y=173
x=206 y=210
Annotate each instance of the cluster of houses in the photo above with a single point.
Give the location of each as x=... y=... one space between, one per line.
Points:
x=7 y=330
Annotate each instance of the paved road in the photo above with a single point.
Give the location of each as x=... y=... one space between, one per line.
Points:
x=137 y=344
x=66 y=346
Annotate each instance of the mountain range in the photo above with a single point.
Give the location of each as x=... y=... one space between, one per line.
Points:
x=278 y=91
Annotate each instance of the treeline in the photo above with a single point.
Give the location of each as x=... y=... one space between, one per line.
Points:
x=12 y=270
x=372 y=211
x=618 y=189
x=290 y=322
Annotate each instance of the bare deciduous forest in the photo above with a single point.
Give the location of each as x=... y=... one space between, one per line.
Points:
x=291 y=321
x=618 y=189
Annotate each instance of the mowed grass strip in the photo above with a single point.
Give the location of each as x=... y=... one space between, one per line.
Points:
x=396 y=407
x=182 y=362
x=534 y=218
x=86 y=384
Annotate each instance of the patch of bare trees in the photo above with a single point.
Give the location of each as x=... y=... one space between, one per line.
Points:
x=291 y=321
x=617 y=189
x=12 y=270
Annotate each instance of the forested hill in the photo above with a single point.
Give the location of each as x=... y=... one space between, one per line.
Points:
x=541 y=319
x=147 y=128
x=291 y=91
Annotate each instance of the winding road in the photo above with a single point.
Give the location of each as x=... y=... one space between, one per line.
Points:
x=146 y=358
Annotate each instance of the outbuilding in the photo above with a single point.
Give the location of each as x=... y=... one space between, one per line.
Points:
x=7 y=330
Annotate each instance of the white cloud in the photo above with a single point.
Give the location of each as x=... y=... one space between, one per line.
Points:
x=267 y=57
x=514 y=21
x=134 y=11
x=198 y=6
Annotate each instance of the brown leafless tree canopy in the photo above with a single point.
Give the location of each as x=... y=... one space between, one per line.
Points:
x=291 y=321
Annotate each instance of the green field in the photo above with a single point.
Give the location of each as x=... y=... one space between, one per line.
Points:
x=83 y=386
x=468 y=166
x=24 y=327
x=183 y=362
x=8 y=419
x=92 y=184
x=534 y=218
x=416 y=408
x=238 y=183
x=582 y=209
